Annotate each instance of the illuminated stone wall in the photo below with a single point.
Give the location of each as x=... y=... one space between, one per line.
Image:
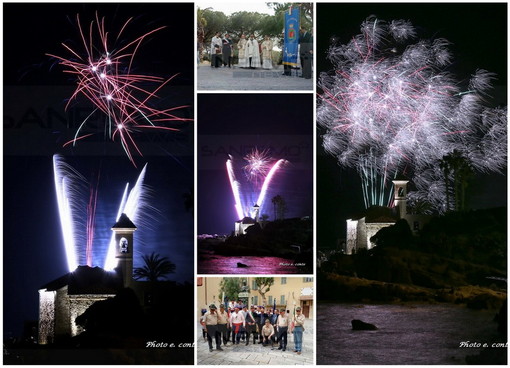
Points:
x=62 y=325
x=372 y=229
x=361 y=239
x=352 y=232
x=78 y=304
x=46 y=316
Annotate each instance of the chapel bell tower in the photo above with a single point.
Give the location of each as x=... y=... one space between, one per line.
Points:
x=400 y=196
x=124 y=230
x=256 y=212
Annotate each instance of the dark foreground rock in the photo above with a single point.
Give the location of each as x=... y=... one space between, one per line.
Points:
x=359 y=325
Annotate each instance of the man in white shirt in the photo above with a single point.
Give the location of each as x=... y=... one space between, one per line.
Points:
x=237 y=321
x=282 y=325
x=211 y=326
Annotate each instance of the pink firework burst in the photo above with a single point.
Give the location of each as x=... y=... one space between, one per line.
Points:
x=259 y=164
x=103 y=76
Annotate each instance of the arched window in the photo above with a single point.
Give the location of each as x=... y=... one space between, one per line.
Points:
x=123 y=245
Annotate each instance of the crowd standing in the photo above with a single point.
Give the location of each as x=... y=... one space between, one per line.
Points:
x=238 y=324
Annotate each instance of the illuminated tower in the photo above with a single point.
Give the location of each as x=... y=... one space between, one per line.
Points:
x=400 y=196
x=124 y=230
x=255 y=212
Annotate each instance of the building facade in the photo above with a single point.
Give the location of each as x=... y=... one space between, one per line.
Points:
x=62 y=300
x=286 y=292
x=360 y=229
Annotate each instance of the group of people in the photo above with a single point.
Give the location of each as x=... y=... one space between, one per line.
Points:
x=249 y=52
x=239 y=323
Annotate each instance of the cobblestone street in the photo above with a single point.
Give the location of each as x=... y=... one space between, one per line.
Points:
x=250 y=79
x=257 y=354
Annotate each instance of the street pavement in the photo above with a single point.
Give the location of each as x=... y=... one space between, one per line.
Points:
x=257 y=354
x=250 y=79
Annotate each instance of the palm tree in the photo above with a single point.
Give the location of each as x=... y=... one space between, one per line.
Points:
x=457 y=172
x=276 y=200
x=156 y=267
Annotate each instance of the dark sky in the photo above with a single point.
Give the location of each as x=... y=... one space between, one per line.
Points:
x=36 y=126
x=235 y=124
x=478 y=33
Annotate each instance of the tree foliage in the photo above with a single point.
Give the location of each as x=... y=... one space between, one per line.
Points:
x=231 y=286
x=209 y=22
x=155 y=268
x=279 y=206
x=263 y=286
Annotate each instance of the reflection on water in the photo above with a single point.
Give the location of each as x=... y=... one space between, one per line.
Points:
x=255 y=265
x=420 y=334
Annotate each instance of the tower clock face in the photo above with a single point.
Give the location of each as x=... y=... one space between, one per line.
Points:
x=123 y=245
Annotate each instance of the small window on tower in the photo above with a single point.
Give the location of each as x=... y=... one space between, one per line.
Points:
x=123 y=244
x=401 y=192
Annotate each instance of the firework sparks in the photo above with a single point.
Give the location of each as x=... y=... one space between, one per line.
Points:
x=77 y=216
x=386 y=113
x=103 y=76
x=259 y=172
x=259 y=164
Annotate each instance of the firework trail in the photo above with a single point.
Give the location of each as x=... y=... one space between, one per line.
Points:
x=387 y=112
x=136 y=206
x=103 y=76
x=259 y=172
x=77 y=216
x=69 y=185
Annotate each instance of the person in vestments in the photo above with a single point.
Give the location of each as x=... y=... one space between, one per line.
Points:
x=238 y=323
x=241 y=46
x=251 y=327
x=223 y=324
x=298 y=321
x=267 y=53
x=211 y=325
x=227 y=50
x=216 y=45
x=252 y=53
x=306 y=52
x=282 y=325
x=267 y=333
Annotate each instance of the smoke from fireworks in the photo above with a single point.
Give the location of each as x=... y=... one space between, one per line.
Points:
x=103 y=76
x=77 y=216
x=387 y=112
x=259 y=172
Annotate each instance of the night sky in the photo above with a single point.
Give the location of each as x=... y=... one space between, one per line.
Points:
x=237 y=123
x=478 y=33
x=36 y=126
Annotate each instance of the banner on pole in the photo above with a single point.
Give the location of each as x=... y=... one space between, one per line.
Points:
x=291 y=37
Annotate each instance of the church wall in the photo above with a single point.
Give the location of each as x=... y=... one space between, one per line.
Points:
x=372 y=229
x=62 y=324
x=416 y=222
x=352 y=231
x=46 y=316
x=78 y=304
x=361 y=239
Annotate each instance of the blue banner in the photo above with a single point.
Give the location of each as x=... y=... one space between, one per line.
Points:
x=291 y=37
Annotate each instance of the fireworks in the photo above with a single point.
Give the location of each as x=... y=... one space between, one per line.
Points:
x=387 y=112
x=103 y=76
x=260 y=168
x=77 y=216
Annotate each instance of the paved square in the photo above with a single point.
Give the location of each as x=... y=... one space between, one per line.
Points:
x=250 y=79
x=256 y=354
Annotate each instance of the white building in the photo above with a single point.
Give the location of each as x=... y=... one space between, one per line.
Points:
x=360 y=229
